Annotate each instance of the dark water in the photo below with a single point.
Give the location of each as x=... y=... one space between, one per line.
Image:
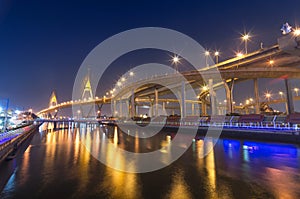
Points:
x=57 y=165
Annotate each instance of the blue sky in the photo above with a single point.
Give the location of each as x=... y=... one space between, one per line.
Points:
x=43 y=43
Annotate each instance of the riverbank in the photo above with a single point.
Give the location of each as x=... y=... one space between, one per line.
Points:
x=12 y=139
x=257 y=134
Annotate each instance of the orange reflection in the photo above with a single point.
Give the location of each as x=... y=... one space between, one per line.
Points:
x=281 y=181
x=24 y=170
x=179 y=189
x=118 y=184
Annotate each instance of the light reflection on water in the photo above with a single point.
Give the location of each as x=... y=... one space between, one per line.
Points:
x=58 y=164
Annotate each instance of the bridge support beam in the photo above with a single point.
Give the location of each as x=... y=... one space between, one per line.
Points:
x=183 y=105
x=156 y=102
x=120 y=109
x=256 y=94
x=229 y=95
x=193 y=109
x=114 y=109
x=289 y=97
x=164 y=107
x=212 y=95
x=203 y=108
x=132 y=104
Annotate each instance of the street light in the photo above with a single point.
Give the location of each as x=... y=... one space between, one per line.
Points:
x=297 y=32
x=217 y=54
x=296 y=90
x=268 y=96
x=131 y=74
x=175 y=60
x=245 y=38
x=239 y=54
x=204 y=88
x=206 y=53
x=281 y=94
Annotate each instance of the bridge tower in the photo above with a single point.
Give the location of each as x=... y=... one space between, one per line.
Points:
x=87 y=90
x=53 y=99
x=52 y=102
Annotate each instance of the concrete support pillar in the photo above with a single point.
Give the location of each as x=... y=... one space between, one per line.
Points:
x=156 y=102
x=212 y=95
x=151 y=109
x=183 y=105
x=114 y=108
x=289 y=96
x=203 y=108
x=256 y=94
x=132 y=104
x=164 y=107
x=229 y=95
x=193 y=109
x=136 y=110
x=120 y=109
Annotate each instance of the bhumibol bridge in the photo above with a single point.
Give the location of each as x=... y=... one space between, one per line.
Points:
x=279 y=61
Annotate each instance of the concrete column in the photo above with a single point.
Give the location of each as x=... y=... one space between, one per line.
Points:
x=151 y=109
x=132 y=104
x=183 y=105
x=203 y=108
x=256 y=94
x=156 y=102
x=114 y=108
x=120 y=109
x=212 y=95
x=164 y=107
x=193 y=109
x=136 y=110
x=229 y=96
x=289 y=96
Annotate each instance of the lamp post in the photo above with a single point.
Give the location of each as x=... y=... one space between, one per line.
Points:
x=281 y=94
x=217 y=54
x=175 y=61
x=268 y=96
x=296 y=91
x=206 y=53
x=78 y=112
x=245 y=38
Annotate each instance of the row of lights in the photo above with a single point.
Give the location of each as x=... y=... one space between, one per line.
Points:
x=245 y=38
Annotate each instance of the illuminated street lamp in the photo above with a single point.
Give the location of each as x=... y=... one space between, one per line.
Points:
x=296 y=91
x=131 y=74
x=245 y=38
x=239 y=54
x=296 y=32
x=217 y=54
x=206 y=53
x=247 y=102
x=175 y=61
x=268 y=96
x=204 y=88
x=281 y=94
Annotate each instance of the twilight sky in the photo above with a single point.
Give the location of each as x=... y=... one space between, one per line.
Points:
x=43 y=43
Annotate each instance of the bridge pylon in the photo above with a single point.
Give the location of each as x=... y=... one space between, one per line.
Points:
x=87 y=89
x=53 y=99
